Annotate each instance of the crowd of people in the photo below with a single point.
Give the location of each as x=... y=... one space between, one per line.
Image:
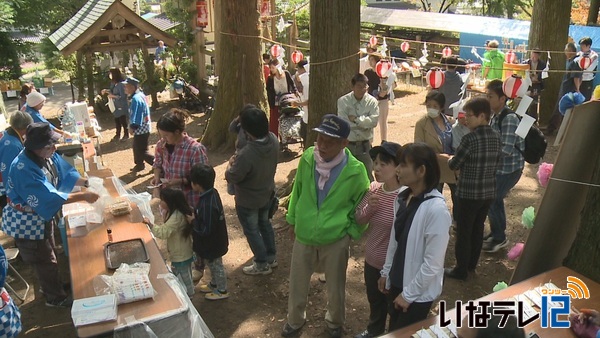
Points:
x=344 y=188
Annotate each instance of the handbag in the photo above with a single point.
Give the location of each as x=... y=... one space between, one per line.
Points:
x=274 y=205
x=111 y=105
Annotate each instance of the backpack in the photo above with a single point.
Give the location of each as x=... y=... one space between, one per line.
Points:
x=535 y=142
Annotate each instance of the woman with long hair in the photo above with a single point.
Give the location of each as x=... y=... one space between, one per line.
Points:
x=119 y=97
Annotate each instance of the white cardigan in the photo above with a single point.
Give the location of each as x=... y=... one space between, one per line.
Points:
x=425 y=251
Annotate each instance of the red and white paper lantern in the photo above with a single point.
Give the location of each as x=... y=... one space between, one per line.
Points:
x=435 y=78
x=510 y=57
x=373 y=41
x=405 y=46
x=297 y=56
x=202 y=16
x=276 y=50
x=265 y=10
x=514 y=86
x=382 y=68
x=585 y=62
x=446 y=52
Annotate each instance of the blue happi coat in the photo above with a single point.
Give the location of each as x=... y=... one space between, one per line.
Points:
x=10 y=147
x=33 y=198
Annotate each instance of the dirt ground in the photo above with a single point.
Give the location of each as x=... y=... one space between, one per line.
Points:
x=258 y=305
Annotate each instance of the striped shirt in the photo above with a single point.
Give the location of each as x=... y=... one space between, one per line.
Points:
x=380 y=222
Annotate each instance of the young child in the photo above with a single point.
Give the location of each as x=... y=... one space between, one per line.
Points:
x=377 y=209
x=177 y=231
x=459 y=130
x=209 y=230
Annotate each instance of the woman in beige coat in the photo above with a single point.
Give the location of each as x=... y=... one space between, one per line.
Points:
x=435 y=129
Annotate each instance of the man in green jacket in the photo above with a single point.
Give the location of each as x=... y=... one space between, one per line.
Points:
x=493 y=62
x=329 y=184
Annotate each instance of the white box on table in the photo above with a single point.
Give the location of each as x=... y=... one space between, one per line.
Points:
x=94 y=310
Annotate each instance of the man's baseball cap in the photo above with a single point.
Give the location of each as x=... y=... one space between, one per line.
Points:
x=39 y=135
x=389 y=148
x=334 y=126
x=133 y=81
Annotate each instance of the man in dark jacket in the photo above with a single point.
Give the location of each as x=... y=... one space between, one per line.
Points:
x=452 y=85
x=252 y=171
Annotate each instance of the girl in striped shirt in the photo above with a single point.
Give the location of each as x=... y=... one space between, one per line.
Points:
x=377 y=209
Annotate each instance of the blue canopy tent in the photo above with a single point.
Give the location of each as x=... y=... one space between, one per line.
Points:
x=473 y=30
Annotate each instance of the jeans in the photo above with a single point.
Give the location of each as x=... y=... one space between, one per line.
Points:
x=497 y=214
x=470 y=219
x=217 y=272
x=183 y=271
x=140 y=150
x=377 y=301
x=259 y=233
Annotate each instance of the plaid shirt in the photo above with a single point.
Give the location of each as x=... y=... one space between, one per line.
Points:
x=477 y=157
x=512 y=159
x=178 y=164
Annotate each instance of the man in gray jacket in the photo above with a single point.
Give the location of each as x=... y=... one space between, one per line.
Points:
x=252 y=172
x=452 y=85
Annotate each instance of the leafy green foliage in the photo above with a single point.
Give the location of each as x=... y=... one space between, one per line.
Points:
x=9 y=58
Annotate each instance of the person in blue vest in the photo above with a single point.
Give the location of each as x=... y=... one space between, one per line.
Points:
x=11 y=145
x=140 y=124
x=34 y=205
x=10 y=316
x=35 y=102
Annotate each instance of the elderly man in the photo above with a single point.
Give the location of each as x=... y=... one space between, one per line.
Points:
x=361 y=111
x=140 y=125
x=12 y=144
x=35 y=102
x=322 y=220
x=34 y=205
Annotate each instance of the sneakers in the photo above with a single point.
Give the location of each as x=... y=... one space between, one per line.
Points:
x=137 y=168
x=254 y=270
x=273 y=264
x=217 y=295
x=125 y=138
x=67 y=302
x=454 y=274
x=289 y=331
x=335 y=333
x=206 y=288
x=364 y=334
x=493 y=246
x=114 y=139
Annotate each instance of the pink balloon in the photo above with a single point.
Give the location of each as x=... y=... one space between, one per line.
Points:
x=544 y=172
x=516 y=251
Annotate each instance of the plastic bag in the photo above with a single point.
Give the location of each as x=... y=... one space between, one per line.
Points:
x=97 y=214
x=129 y=282
x=142 y=200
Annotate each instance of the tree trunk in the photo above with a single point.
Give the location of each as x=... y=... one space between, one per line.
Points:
x=550 y=37
x=240 y=80
x=593 y=13
x=89 y=73
x=334 y=42
x=80 y=75
x=584 y=254
x=217 y=29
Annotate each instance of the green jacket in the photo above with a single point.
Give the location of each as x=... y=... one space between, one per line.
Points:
x=493 y=59
x=335 y=219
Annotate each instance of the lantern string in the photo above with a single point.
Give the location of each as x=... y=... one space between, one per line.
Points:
x=467 y=46
x=267 y=17
x=575 y=182
x=433 y=63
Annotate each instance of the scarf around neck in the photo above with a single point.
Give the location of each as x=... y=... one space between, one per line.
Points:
x=324 y=168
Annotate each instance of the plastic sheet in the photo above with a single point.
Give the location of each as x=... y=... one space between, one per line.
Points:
x=185 y=322
x=142 y=200
x=97 y=214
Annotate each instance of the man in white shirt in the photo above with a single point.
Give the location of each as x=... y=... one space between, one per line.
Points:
x=303 y=74
x=363 y=62
x=587 y=79
x=361 y=110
